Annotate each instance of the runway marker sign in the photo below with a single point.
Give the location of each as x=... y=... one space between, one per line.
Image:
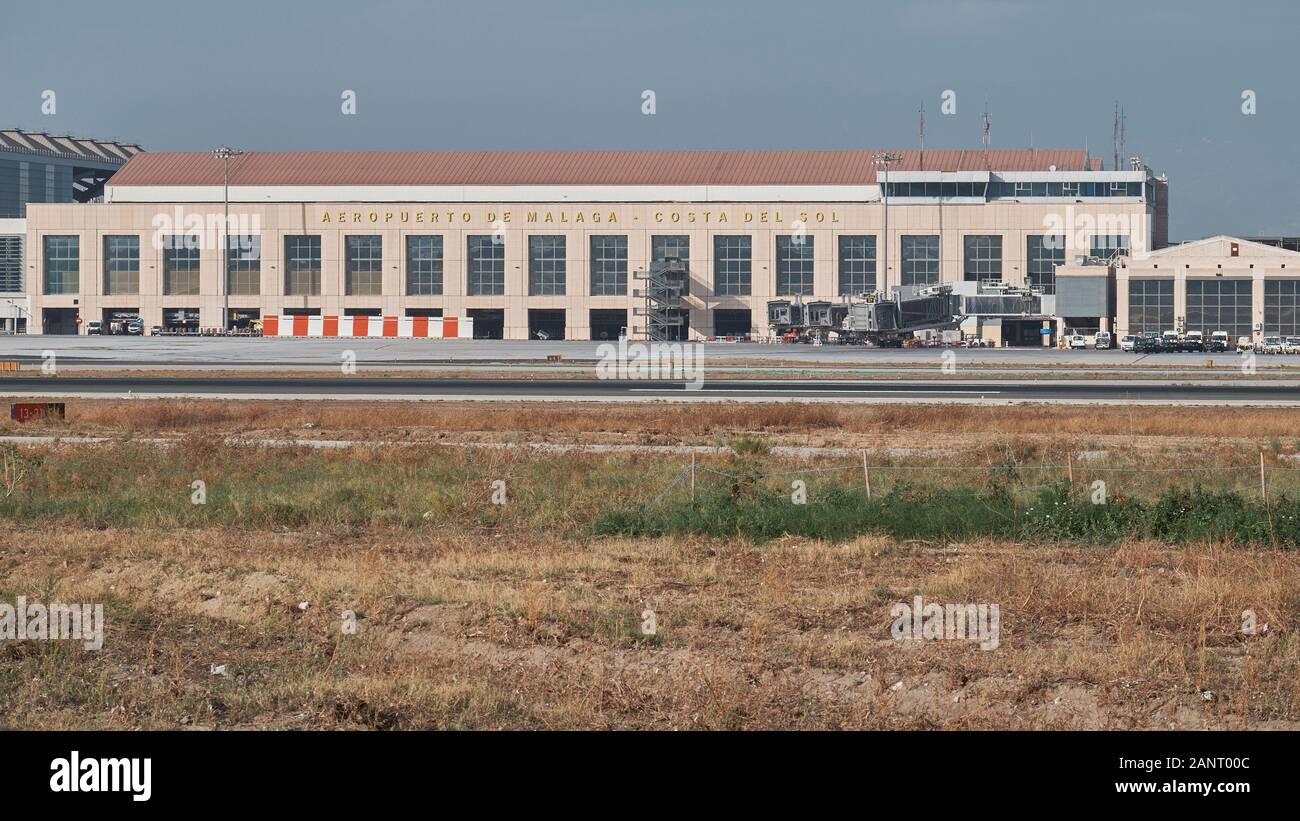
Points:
x=28 y=411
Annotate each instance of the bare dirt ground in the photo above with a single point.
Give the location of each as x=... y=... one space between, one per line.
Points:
x=537 y=632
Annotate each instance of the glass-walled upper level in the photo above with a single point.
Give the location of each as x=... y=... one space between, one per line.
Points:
x=998 y=189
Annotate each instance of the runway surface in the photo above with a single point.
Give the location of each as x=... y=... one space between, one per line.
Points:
x=258 y=353
x=931 y=390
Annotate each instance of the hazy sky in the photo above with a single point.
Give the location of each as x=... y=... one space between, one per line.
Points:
x=564 y=74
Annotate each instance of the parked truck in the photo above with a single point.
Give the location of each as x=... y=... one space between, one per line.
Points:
x=126 y=326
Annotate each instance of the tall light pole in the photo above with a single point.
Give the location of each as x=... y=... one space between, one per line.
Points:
x=224 y=153
x=884 y=160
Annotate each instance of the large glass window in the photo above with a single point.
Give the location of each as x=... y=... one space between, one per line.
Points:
x=364 y=265
x=733 y=263
x=1108 y=245
x=487 y=265
x=121 y=265
x=608 y=265
x=244 y=265
x=1150 y=305
x=546 y=265
x=62 y=265
x=181 y=265
x=670 y=246
x=857 y=264
x=1042 y=254
x=945 y=190
x=920 y=260
x=302 y=265
x=1281 y=307
x=424 y=264
x=794 y=265
x=670 y=249
x=1220 y=305
x=1075 y=189
x=11 y=265
x=982 y=257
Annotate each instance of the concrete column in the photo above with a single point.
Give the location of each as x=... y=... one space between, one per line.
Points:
x=1180 y=299
x=1257 y=303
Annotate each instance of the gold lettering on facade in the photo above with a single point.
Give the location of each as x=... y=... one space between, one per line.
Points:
x=494 y=217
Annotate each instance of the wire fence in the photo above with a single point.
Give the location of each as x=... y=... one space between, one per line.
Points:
x=1260 y=479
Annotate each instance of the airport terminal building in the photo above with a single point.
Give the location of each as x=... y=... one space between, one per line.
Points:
x=36 y=167
x=558 y=244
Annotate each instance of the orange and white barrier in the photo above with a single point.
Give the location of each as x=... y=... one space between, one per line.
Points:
x=402 y=327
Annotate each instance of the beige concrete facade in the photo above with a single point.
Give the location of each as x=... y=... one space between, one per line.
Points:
x=1219 y=259
x=823 y=222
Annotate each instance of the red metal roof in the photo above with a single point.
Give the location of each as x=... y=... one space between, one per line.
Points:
x=573 y=167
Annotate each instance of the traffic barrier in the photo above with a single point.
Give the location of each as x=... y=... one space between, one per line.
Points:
x=403 y=327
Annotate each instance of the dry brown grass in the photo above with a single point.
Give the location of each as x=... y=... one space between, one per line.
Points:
x=218 y=416
x=539 y=632
x=538 y=627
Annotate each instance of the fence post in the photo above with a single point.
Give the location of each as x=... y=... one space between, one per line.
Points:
x=1263 y=486
x=1069 y=467
x=692 y=476
x=866 y=474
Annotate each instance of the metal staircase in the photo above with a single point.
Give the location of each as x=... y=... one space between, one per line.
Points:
x=665 y=284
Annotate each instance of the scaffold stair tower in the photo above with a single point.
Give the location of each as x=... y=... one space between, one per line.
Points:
x=664 y=286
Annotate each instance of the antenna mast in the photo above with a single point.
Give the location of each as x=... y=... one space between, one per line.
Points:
x=1114 y=137
x=922 y=136
x=1123 y=121
x=986 y=122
